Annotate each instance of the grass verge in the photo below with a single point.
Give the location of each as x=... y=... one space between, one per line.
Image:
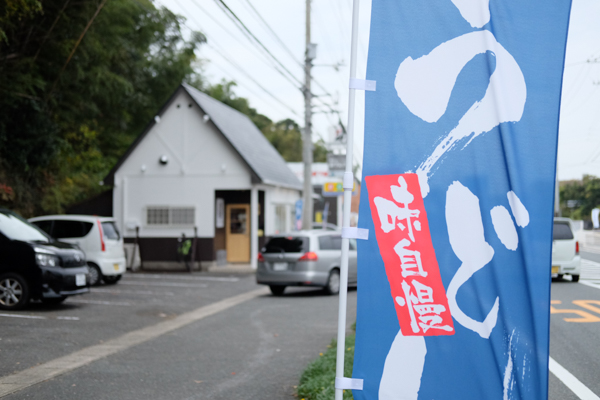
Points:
x=318 y=379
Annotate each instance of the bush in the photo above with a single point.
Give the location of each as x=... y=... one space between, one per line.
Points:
x=318 y=379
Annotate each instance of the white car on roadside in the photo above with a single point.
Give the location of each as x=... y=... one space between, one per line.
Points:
x=98 y=237
x=565 y=250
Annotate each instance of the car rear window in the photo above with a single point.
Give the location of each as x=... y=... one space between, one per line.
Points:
x=297 y=244
x=71 y=229
x=46 y=226
x=110 y=231
x=562 y=231
x=330 y=242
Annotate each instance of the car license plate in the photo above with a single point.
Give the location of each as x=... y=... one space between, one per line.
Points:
x=280 y=266
x=116 y=267
x=80 y=279
x=555 y=269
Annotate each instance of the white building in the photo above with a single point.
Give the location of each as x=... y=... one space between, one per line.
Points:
x=201 y=165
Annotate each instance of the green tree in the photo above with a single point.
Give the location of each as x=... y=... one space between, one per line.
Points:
x=585 y=192
x=78 y=82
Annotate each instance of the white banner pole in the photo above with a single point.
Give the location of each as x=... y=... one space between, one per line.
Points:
x=343 y=296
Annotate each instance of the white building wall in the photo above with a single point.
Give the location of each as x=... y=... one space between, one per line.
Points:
x=279 y=196
x=200 y=161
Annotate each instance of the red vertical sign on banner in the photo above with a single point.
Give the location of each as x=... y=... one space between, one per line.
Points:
x=405 y=245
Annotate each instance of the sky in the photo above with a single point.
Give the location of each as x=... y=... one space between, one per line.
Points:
x=279 y=25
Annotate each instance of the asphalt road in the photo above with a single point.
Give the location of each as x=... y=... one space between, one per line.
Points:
x=574 y=329
x=256 y=347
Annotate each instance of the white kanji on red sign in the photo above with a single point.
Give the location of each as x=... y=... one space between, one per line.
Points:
x=389 y=211
x=423 y=313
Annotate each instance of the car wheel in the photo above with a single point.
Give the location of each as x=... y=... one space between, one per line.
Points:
x=575 y=278
x=333 y=282
x=94 y=274
x=277 y=290
x=111 y=280
x=559 y=277
x=54 y=300
x=14 y=292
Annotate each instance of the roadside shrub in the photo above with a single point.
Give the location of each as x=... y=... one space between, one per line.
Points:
x=318 y=379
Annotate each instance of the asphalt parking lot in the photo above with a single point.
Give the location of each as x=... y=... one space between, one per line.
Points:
x=257 y=347
x=136 y=301
x=254 y=347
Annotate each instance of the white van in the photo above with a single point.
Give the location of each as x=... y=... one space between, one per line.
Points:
x=565 y=250
x=98 y=237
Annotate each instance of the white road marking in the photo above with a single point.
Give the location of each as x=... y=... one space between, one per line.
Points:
x=574 y=384
x=143 y=292
x=166 y=284
x=183 y=277
x=595 y=285
x=22 y=316
x=590 y=270
x=594 y=249
x=99 y=302
x=29 y=377
x=37 y=317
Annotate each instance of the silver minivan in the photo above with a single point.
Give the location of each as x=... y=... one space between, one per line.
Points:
x=305 y=258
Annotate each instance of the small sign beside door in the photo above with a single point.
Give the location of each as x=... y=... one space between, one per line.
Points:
x=220 y=213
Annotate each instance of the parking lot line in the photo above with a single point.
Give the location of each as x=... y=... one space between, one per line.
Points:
x=183 y=277
x=99 y=302
x=37 y=317
x=165 y=284
x=570 y=381
x=142 y=292
x=22 y=316
x=29 y=377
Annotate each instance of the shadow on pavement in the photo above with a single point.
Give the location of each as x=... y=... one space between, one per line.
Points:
x=298 y=291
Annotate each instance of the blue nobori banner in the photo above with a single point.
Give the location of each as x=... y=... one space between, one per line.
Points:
x=459 y=171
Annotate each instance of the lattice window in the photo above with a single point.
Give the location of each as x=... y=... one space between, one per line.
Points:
x=166 y=216
x=182 y=216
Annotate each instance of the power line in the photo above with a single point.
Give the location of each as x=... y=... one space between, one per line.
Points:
x=274 y=34
x=209 y=15
x=253 y=80
x=269 y=59
x=262 y=48
x=245 y=28
x=236 y=66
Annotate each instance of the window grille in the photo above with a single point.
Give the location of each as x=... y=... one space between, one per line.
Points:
x=166 y=216
x=182 y=216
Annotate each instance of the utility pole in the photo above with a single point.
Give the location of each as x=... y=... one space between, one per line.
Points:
x=307 y=154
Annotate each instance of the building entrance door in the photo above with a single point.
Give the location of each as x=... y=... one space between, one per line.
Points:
x=237 y=227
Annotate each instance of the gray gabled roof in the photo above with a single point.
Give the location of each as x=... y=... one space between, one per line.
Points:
x=249 y=142
x=261 y=157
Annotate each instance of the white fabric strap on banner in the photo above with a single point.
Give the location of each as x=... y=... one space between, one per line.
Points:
x=355 y=233
x=348 y=181
x=348 y=383
x=363 y=84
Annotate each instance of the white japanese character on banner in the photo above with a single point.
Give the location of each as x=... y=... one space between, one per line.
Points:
x=425 y=85
x=389 y=212
x=410 y=260
x=422 y=302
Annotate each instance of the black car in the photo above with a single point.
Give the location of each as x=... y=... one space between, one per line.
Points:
x=35 y=266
